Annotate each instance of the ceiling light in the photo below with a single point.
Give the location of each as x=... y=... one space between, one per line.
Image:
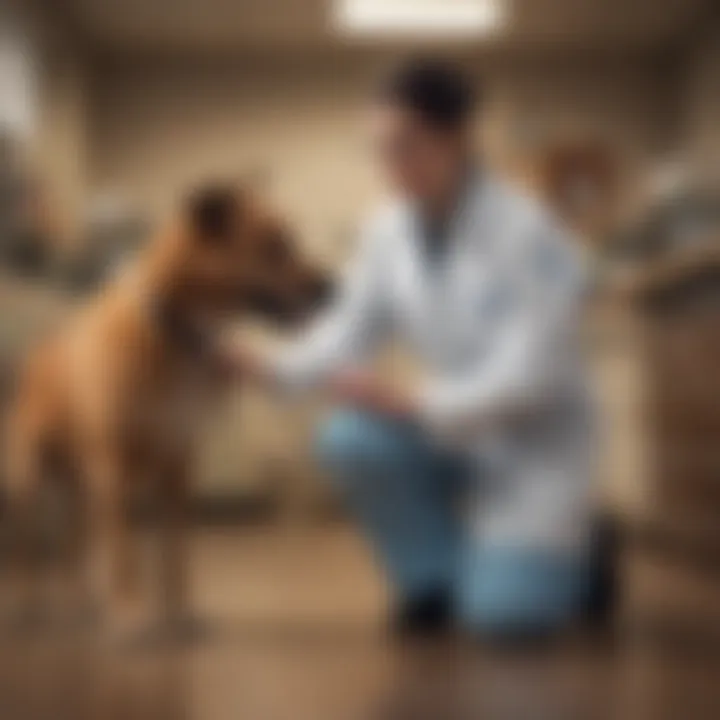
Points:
x=419 y=17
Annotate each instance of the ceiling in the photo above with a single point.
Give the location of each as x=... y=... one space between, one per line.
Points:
x=228 y=25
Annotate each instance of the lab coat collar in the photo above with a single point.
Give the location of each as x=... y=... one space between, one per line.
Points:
x=469 y=210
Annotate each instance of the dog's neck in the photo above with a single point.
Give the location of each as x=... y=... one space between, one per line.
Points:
x=177 y=330
x=153 y=285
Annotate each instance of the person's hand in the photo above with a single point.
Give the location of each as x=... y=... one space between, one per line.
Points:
x=359 y=388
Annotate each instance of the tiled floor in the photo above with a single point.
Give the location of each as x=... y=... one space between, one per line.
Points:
x=296 y=634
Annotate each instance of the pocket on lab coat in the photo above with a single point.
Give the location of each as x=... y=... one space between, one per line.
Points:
x=536 y=486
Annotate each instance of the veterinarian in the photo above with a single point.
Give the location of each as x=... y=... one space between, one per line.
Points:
x=475 y=490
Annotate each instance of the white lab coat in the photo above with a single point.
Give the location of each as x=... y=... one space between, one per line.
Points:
x=496 y=324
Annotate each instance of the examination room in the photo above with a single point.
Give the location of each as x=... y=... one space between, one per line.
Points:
x=359 y=359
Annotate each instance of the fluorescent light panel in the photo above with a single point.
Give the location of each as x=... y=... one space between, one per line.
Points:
x=419 y=17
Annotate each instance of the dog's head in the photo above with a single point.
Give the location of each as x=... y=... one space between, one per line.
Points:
x=235 y=255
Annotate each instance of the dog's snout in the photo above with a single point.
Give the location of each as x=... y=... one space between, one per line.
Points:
x=321 y=291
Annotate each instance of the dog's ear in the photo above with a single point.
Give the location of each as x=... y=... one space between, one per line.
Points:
x=213 y=212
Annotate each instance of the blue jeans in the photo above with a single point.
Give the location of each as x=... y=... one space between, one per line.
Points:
x=407 y=495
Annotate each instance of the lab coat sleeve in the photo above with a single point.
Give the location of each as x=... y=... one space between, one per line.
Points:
x=349 y=330
x=524 y=363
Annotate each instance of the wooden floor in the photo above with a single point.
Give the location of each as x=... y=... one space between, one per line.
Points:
x=296 y=633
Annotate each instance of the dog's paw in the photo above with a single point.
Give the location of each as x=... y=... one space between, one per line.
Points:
x=186 y=628
x=165 y=633
x=81 y=615
x=183 y=629
x=123 y=626
x=179 y=630
x=26 y=620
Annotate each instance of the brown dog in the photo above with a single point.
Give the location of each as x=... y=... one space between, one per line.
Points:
x=118 y=396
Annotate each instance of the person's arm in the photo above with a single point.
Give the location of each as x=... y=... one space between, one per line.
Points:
x=523 y=366
x=345 y=334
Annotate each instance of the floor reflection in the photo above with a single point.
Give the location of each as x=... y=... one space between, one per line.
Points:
x=320 y=654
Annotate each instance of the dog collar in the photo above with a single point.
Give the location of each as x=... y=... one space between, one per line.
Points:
x=178 y=330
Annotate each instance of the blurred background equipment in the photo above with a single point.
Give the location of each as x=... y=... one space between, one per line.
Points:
x=680 y=220
x=112 y=233
x=579 y=180
x=677 y=301
x=24 y=243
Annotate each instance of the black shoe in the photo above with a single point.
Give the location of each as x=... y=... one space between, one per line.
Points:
x=602 y=600
x=427 y=615
x=526 y=641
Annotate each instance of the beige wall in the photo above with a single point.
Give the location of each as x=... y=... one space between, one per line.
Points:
x=157 y=130
x=701 y=100
x=158 y=127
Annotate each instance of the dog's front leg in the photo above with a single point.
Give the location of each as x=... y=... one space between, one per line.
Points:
x=177 y=615
x=21 y=494
x=112 y=562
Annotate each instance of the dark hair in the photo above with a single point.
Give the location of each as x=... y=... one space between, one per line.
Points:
x=436 y=90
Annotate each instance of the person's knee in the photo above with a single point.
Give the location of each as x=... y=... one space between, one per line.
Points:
x=349 y=440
